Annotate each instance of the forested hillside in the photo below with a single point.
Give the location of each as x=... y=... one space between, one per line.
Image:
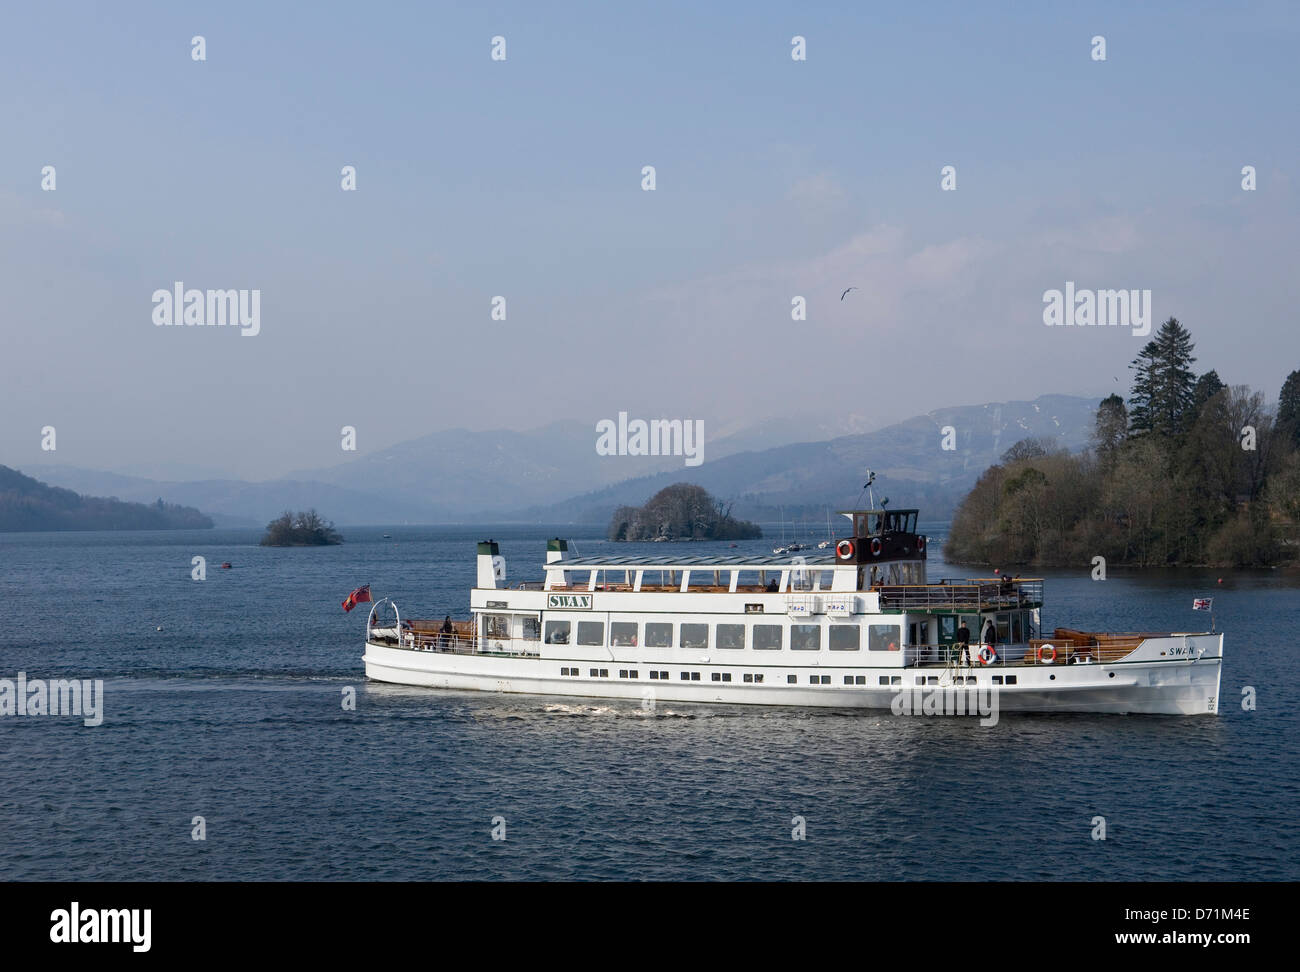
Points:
x=1187 y=471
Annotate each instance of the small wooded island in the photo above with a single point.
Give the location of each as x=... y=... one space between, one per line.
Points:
x=302 y=529
x=680 y=512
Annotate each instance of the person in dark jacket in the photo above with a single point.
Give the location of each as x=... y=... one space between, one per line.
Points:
x=963 y=644
x=445 y=633
x=990 y=636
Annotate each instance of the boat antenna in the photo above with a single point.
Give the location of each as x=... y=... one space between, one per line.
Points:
x=865 y=486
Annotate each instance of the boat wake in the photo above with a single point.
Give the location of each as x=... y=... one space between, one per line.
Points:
x=559 y=708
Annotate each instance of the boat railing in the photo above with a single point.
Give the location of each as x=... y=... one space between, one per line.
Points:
x=1037 y=651
x=972 y=595
x=462 y=644
x=461 y=640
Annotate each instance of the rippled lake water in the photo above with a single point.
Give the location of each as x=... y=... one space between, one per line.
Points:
x=223 y=701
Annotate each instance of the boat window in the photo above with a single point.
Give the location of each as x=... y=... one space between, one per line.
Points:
x=768 y=637
x=806 y=637
x=1016 y=630
x=882 y=637
x=731 y=636
x=846 y=637
x=658 y=634
x=591 y=633
x=532 y=629
x=622 y=634
x=496 y=625
x=557 y=632
x=696 y=636
x=947 y=629
x=1004 y=628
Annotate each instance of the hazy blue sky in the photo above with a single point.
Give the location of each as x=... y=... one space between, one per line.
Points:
x=522 y=178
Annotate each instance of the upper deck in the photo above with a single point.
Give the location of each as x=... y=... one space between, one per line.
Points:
x=884 y=557
x=783 y=575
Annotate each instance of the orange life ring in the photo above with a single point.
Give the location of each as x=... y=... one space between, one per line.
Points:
x=844 y=549
x=876 y=546
x=1044 y=649
x=987 y=655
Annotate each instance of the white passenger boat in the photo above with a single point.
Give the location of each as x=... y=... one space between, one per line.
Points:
x=860 y=626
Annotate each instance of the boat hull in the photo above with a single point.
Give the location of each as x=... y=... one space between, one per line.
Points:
x=1165 y=687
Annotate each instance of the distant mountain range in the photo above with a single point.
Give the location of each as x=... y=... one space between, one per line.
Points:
x=911 y=465
x=554 y=474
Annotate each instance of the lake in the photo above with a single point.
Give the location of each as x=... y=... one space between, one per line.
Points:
x=222 y=701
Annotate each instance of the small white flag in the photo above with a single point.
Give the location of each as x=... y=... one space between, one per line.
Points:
x=1202 y=603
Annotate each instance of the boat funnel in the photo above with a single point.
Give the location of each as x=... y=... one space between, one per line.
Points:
x=489 y=556
x=556 y=549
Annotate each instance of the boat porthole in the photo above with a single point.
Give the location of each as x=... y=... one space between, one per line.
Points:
x=1111 y=674
x=1052 y=677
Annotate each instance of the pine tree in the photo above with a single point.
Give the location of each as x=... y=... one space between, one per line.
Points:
x=1206 y=387
x=1163 y=398
x=1110 y=428
x=1288 y=408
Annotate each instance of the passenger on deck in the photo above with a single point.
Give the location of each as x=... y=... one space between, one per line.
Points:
x=1008 y=585
x=963 y=643
x=772 y=586
x=445 y=633
x=990 y=636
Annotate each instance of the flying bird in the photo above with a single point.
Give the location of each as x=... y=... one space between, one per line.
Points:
x=843 y=295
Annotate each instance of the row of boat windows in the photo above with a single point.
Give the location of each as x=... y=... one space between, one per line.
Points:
x=697 y=637
x=657 y=674
x=801 y=578
x=757 y=677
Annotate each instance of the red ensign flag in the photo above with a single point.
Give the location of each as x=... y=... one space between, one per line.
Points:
x=358 y=596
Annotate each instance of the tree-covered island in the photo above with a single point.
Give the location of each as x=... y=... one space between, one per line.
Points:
x=680 y=512
x=303 y=529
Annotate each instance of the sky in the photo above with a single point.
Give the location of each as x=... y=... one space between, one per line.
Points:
x=522 y=178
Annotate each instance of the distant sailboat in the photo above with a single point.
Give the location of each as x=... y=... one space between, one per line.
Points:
x=777 y=551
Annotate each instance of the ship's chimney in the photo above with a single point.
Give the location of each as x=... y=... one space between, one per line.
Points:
x=487 y=554
x=556 y=549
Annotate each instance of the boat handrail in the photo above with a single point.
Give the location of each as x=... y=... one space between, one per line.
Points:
x=970 y=596
x=1061 y=651
x=457 y=643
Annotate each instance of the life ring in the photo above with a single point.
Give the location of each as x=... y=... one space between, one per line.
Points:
x=876 y=546
x=920 y=543
x=987 y=655
x=844 y=549
x=1045 y=650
